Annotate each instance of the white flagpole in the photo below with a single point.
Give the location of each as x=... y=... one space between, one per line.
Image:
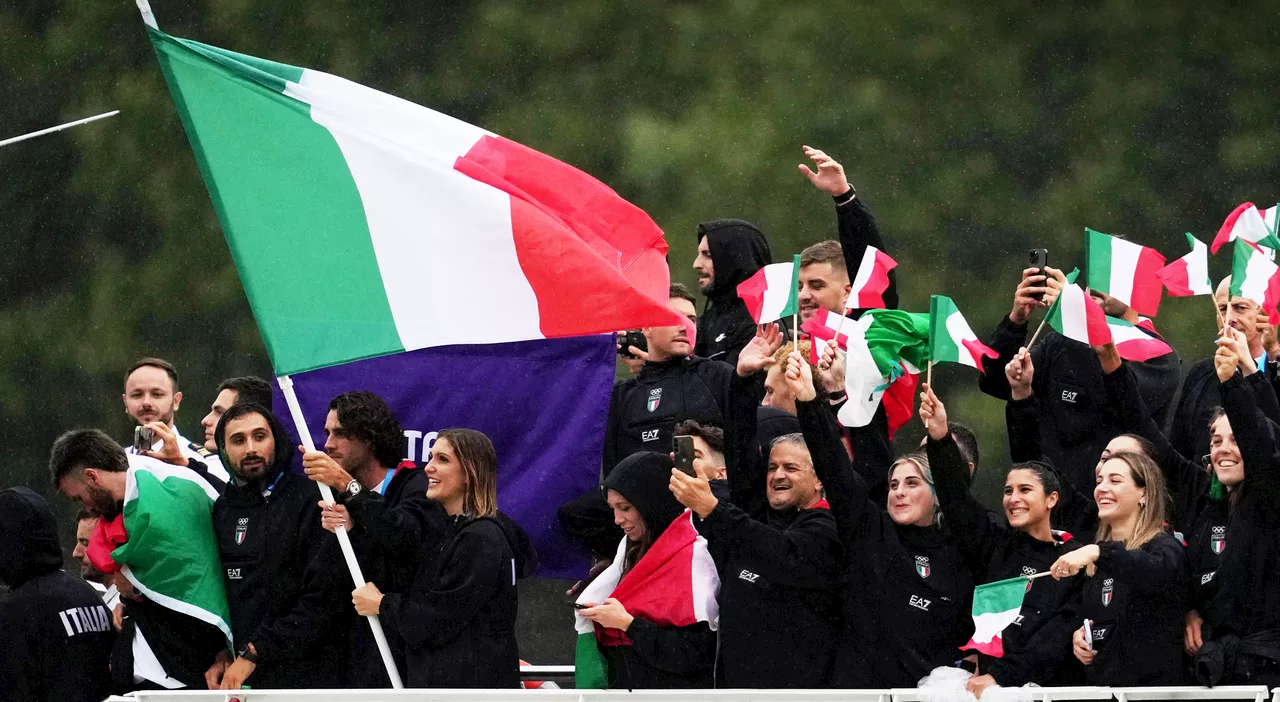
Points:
x=60 y=127
x=344 y=541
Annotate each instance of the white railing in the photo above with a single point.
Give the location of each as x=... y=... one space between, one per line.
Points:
x=1258 y=693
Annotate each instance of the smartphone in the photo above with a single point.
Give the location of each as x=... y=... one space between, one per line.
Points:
x=577 y=605
x=682 y=447
x=143 y=439
x=635 y=338
x=1039 y=261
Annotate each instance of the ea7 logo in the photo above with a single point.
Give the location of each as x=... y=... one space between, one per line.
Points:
x=233 y=574
x=1017 y=621
x=1204 y=579
x=920 y=603
x=649 y=435
x=1069 y=396
x=748 y=576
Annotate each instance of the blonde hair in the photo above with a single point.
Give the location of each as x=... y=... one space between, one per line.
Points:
x=803 y=346
x=920 y=460
x=479 y=469
x=1151 y=517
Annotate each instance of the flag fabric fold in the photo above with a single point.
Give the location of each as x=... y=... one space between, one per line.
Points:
x=674 y=584
x=371 y=213
x=1255 y=277
x=1133 y=343
x=825 y=328
x=1188 y=275
x=1077 y=316
x=995 y=606
x=1124 y=270
x=1245 y=222
x=886 y=349
x=773 y=292
x=871 y=280
x=951 y=339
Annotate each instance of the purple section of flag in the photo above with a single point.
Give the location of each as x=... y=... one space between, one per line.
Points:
x=543 y=403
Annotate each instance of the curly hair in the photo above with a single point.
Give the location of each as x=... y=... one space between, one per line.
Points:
x=366 y=417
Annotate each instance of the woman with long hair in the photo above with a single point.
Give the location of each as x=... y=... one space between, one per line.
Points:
x=1133 y=601
x=645 y=648
x=458 y=619
x=1024 y=545
x=908 y=587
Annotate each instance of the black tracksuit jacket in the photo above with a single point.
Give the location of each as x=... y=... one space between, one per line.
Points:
x=907 y=588
x=458 y=619
x=1075 y=421
x=738 y=250
x=55 y=632
x=287 y=585
x=1189 y=426
x=1037 y=646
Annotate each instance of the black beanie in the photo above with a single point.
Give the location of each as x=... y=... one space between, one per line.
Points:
x=644 y=479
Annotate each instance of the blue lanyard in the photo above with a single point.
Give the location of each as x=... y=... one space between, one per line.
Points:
x=272 y=486
x=382 y=489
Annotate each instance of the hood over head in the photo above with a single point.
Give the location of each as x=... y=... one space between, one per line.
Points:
x=284 y=440
x=771 y=423
x=644 y=479
x=738 y=250
x=30 y=547
x=521 y=546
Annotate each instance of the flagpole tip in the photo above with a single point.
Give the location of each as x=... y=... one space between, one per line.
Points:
x=148 y=17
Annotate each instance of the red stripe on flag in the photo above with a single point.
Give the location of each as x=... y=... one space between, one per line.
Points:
x=995 y=648
x=1095 y=321
x=1146 y=282
x=871 y=296
x=1271 y=298
x=1176 y=278
x=1142 y=349
x=899 y=401
x=660 y=586
x=1224 y=233
x=595 y=262
x=977 y=349
x=752 y=292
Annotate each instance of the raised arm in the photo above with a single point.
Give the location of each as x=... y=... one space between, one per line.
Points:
x=1022 y=411
x=1035 y=291
x=743 y=462
x=967 y=520
x=1254 y=433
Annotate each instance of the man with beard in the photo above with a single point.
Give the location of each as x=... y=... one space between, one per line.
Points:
x=151 y=395
x=86 y=522
x=159 y=647
x=232 y=390
x=384 y=505
x=729 y=252
x=286 y=582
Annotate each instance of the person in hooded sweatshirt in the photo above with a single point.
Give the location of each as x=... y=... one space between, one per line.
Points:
x=907 y=587
x=641 y=653
x=1132 y=604
x=458 y=620
x=286 y=581
x=729 y=252
x=1024 y=545
x=55 y=632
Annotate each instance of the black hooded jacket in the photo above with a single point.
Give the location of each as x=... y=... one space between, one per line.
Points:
x=287 y=585
x=55 y=632
x=659 y=656
x=907 y=588
x=458 y=619
x=738 y=250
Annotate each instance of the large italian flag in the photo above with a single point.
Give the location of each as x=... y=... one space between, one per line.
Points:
x=1076 y=316
x=951 y=339
x=1255 y=277
x=674 y=584
x=995 y=606
x=171 y=555
x=773 y=292
x=395 y=227
x=1124 y=270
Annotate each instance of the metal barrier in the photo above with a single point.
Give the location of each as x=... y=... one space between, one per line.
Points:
x=1258 y=693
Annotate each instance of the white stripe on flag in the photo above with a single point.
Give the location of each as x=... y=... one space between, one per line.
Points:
x=1124 y=263
x=410 y=199
x=1075 y=320
x=960 y=331
x=865 y=269
x=1257 y=277
x=777 y=278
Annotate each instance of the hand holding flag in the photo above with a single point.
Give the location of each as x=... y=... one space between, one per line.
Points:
x=933 y=415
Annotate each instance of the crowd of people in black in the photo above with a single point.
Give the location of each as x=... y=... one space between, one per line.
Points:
x=840 y=562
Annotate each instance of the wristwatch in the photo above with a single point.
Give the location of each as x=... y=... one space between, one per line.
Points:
x=353 y=489
x=248 y=655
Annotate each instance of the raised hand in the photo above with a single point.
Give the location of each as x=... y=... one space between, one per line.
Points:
x=1108 y=356
x=933 y=414
x=694 y=493
x=1028 y=295
x=831 y=369
x=1020 y=372
x=1054 y=285
x=830 y=176
x=799 y=377
x=757 y=355
x=170 y=451
x=1234 y=340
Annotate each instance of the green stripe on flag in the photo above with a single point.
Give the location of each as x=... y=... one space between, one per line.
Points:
x=1097 y=253
x=590 y=670
x=942 y=348
x=793 y=296
x=283 y=193
x=1000 y=596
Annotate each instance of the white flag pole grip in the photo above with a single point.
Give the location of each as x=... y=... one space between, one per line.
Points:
x=299 y=422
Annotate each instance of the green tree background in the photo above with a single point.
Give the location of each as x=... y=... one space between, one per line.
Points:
x=973 y=131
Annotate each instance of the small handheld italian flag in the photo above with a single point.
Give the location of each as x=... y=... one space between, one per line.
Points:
x=1133 y=343
x=773 y=292
x=1188 y=275
x=995 y=606
x=1254 y=277
x=825 y=328
x=674 y=584
x=871 y=280
x=1124 y=270
x=1075 y=315
x=951 y=339
x=1246 y=222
